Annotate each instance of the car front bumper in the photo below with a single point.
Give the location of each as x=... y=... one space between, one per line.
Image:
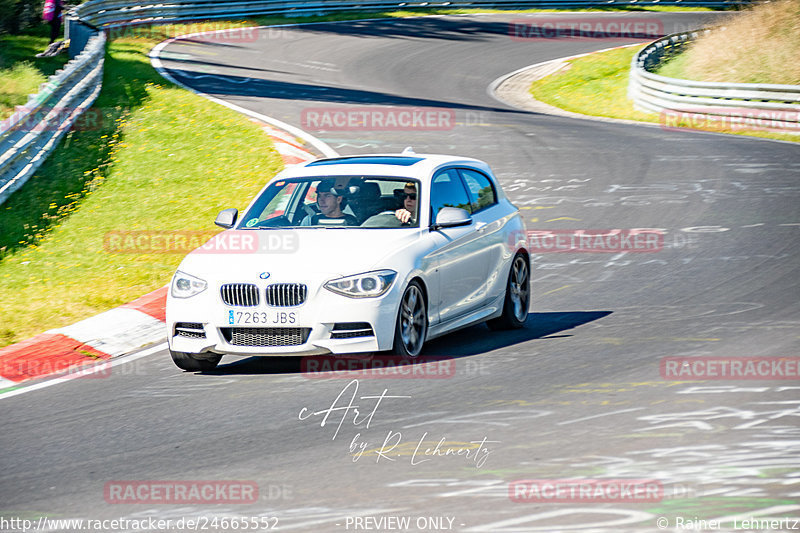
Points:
x=319 y=322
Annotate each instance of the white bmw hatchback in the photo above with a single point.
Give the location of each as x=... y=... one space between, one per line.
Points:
x=353 y=254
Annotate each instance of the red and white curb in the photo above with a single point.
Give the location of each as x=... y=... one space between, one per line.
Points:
x=514 y=89
x=291 y=151
x=141 y=322
x=113 y=333
x=101 y=337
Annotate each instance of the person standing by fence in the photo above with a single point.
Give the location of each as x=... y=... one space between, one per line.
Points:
x=51 y=13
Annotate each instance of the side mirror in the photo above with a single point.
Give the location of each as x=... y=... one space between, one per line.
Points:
x=227 y=218
x=451 y=217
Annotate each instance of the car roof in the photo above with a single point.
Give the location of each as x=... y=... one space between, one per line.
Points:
x=407 y=165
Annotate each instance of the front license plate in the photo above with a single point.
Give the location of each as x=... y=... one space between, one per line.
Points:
x=261 y=318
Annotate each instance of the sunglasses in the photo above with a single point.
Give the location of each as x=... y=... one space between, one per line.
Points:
x=411 y=195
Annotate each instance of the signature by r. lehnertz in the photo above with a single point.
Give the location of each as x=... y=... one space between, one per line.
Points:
x=363 y=409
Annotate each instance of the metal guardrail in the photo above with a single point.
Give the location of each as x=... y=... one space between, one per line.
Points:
x=736 y=102
x=32 y=132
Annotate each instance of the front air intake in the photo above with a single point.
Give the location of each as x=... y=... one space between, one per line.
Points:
x=265 y=337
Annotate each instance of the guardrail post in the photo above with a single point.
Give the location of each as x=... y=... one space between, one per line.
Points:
x=79 y=35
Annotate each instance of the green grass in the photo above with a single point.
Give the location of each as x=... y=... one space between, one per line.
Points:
x=597 y=85
x=164 y=159
x=675 y=67
x=21 y=72
x=592 y=85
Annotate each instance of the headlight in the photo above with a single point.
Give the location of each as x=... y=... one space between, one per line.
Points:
x=366 y=285
x=185 y=286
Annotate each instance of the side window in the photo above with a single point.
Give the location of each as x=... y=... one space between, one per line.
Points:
x=481 y=192
x=447 y=190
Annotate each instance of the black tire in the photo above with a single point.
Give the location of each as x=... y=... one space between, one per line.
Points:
x=193 y=363
x=411 y=326
x=518 y=296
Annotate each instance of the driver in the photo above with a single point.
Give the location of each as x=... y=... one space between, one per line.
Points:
x=330 y=203
x=408 y=212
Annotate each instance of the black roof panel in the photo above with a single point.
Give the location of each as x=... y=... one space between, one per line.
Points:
x=399 y=160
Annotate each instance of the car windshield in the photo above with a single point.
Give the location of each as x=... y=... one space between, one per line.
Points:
x=335 y=202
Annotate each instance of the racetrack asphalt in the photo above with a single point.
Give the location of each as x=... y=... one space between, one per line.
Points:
x=578 y=393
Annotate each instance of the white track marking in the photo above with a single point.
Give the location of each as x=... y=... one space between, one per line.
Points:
x=155 y=60
x=96 y=368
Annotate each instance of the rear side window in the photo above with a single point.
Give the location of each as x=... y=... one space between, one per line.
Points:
x=448 y=191
x=481 y=191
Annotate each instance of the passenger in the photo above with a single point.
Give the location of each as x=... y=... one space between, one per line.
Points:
x=330 y=203
x=408 y=213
